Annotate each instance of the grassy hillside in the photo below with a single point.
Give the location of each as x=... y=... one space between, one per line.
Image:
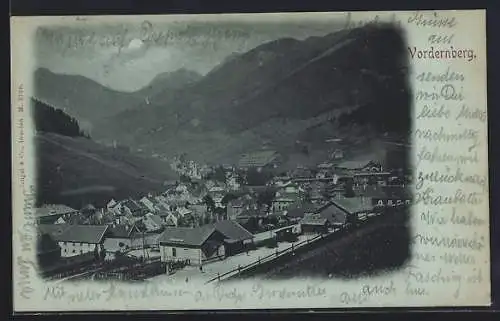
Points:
x=375 y=248
x=75 y=171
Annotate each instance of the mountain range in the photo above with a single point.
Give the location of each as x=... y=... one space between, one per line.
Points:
x=89 y=101
x=278 y=93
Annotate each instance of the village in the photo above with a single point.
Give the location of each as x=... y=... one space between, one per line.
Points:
x=216 y=221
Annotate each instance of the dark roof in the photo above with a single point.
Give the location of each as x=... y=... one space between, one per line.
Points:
x=242 y=220
x=357 y=164
x=353 y=204
x=233 y=230
x=53 y=209
x=75 y=233
x=132 y=205
x=123 y=231
x=299 y=210
x=251 y=213
x=334 y=215
x=314 y=220
x=186 y=235
x=296 y=212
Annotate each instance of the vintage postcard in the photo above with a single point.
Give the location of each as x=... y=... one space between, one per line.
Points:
x=250 y=161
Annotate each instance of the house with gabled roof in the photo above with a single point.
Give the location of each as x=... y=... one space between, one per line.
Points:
x=314 y=224
x=236 y=206
x=112 y=203
x=122 y=237
x=298 y=211
x=192 y=245
x=76 y=239
x=152 y=223
x=150 y=203
x=134 y=208
x=283 y=201
x=49 y=213
x=171 y=220
x=237 y=238
x=366 y=164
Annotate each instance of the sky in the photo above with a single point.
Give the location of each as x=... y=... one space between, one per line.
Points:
x=126 y=56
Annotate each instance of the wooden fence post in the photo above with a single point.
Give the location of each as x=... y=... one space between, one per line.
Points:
x=239 y=269
x=218 y=276
x=259 y=260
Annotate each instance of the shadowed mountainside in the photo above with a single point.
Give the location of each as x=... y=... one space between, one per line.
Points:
x=276 y=90
x=74 y=170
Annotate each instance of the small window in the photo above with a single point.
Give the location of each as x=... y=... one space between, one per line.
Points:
x=174 y=252
x=74 y=251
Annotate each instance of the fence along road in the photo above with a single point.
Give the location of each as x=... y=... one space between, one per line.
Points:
x=268 y=258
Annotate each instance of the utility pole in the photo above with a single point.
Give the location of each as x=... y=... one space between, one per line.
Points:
x=143 y=246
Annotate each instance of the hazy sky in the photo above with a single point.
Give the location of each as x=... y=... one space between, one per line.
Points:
x=128 y=56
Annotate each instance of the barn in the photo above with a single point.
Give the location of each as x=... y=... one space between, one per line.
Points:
x=192 y=245
x=237 y=238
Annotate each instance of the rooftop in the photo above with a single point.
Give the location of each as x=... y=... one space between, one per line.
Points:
x=123 y=231
x=92 y=234
x=353 y=204
x=132 y=205
x=314 y=220
x=53 y=209
x=186 y=235
x=251 y=213
x=233 y=230
x=333 y=214
x=355 y=164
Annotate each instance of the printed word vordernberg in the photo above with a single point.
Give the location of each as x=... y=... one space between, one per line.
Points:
x=437 y=53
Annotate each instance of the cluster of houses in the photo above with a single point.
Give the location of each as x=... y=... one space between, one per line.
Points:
x=206 y=219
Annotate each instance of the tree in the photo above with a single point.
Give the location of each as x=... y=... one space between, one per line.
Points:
x=209 y=202
x=227 y=198
x=266 y=197
x=349 y=191
x=219 y=213
x=52 y=120
x=240 y=178
x=103 y=252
